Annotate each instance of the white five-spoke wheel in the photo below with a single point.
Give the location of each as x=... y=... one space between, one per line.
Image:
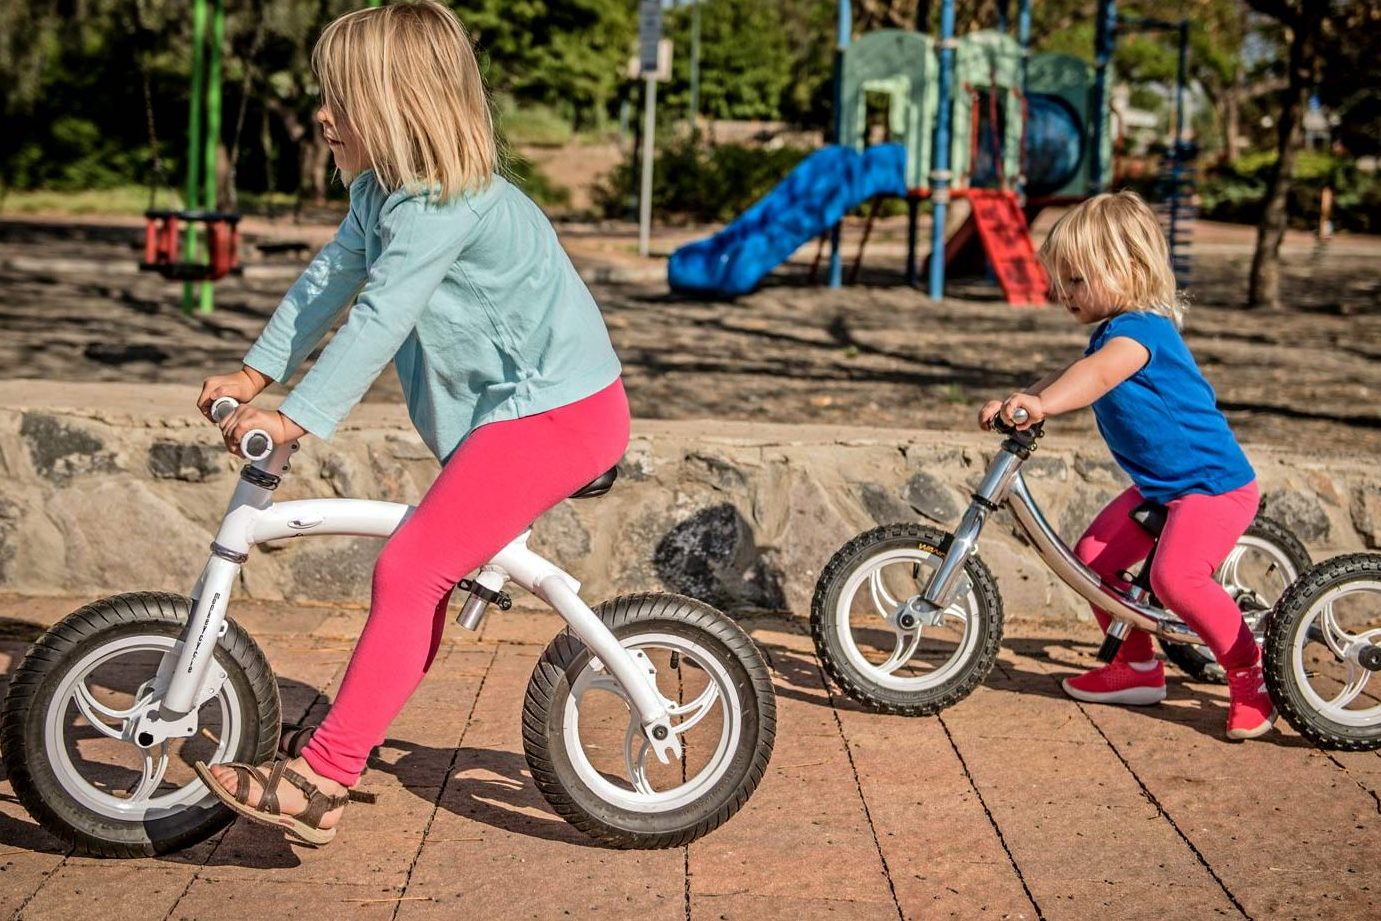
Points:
x=589 y=755
x=1323 y=650
x=881 y=645
x=72 y=747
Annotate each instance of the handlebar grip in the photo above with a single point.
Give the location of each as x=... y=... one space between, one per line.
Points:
x=256 y=445
x=1020 y=415
x=222 y=407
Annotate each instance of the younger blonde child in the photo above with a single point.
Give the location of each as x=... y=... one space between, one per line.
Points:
x=1110 y=268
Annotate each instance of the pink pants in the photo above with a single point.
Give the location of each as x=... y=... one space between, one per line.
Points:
x=1199 y=533
x=500 y=479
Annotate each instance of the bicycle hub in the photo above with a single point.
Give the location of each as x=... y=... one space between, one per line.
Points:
x=1370 y=658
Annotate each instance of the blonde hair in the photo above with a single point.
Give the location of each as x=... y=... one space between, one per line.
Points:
x=405 y=79
x=1114 y=242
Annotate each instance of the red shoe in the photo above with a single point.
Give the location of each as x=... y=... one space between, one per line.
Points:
x=1250 y=711
x=1118 y=683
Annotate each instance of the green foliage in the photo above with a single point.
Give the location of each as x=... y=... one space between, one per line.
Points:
x=745 y=64
x=523 y=173
x=567 y=54
x=531 y=124
x=700 y=183
x=1235 y=192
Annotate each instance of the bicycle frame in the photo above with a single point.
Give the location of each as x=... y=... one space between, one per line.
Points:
x=1003 y=483
x=253 y=518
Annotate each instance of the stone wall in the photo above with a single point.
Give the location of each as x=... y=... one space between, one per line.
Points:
x=119 y=487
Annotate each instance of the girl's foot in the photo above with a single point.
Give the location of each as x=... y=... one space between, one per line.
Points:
x=1250 y=710
x=1119 y=682
x=299 y=800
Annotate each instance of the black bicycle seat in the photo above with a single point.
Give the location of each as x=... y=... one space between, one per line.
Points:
x=598 y=486
x=1151 y=516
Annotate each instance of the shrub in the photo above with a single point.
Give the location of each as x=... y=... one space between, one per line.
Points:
x=699 y=183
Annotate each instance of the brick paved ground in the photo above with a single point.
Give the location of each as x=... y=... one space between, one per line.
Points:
x=1017 y=803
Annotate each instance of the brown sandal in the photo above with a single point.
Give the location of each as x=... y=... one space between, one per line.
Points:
x=292 y=739
x=305 y=825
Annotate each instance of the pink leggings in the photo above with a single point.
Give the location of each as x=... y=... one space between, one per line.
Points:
x=500 y=479
x=1199 y=533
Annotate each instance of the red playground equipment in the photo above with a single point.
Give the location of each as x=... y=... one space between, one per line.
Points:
x=163 y=245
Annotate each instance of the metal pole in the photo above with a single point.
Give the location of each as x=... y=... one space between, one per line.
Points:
x=939 y=176
x=1104 y=37
x=1181 y=79
x=695 y=70
x=1024 y=40
x=645 y=196
x=194 y=144
x=213 y=128
x=843 y=34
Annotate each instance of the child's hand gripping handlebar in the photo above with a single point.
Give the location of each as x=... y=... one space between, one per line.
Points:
x=256 y=444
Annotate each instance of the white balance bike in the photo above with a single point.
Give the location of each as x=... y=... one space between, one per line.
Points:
x=112 y=706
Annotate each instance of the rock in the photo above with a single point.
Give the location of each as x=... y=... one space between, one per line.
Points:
x=711 y=556
x=931 y=498
x=1083 y=506
x=1299 y=512
x=1100 y=470
x=1366 y=514
x=1045 y=468
x=121 y=535
x=559 y=536
x=882 y=505
x=637 y=462
x=716 y=472
x=60 y=450
x=192 y=463
x=338 y=567
x=10 y=514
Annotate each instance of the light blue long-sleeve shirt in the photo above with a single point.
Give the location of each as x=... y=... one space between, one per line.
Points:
x=474 y=301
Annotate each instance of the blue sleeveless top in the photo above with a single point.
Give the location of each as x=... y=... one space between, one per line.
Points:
x=1162 y=424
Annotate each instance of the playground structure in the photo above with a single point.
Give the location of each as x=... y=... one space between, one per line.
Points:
x=977 y=117
x=173 y=237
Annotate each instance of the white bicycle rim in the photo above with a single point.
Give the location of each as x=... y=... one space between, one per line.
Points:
x=1229 y=576
x=1336 y=709
x=720 y=692
x=141 y=804
x=963 y=608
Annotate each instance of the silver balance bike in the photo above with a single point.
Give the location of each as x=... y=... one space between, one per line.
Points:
x=907 y=619
x=646 y=724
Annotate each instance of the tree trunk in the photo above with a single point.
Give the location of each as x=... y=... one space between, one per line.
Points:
x=1232 y=115
x=1264 y=287
x=316 y=158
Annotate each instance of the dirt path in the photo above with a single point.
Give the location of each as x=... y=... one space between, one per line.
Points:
x=876 y=353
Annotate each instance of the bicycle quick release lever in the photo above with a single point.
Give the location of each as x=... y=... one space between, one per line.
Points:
x=256 y=443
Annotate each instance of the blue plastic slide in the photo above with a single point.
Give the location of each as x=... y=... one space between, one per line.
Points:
x=811 y=199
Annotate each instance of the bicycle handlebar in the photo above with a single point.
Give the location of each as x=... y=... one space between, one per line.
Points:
x=1019 y=416
x=256 y=443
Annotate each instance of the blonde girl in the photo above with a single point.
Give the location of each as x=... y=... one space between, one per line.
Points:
x=1110 y=269
x=506 y=366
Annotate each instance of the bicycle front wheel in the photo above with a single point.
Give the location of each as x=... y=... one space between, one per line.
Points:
x=66 y=729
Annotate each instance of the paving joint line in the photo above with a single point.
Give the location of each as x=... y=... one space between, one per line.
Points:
x=197 y=875
x=1365 y=789
x=858 y=785
x=445 y=784
x=1151 y=798
x=992 y=819
x=18 y=912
